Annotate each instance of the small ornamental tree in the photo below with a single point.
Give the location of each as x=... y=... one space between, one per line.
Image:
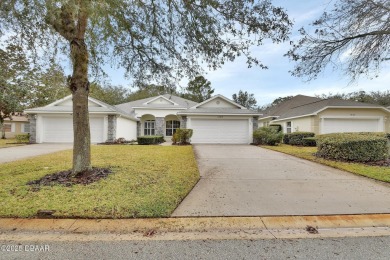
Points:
x=154 y=41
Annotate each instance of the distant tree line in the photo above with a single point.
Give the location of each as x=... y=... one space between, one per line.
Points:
x=381 y=98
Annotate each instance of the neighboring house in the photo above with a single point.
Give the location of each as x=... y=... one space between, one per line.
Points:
x=216 y=120
x=18 y=125
x=322 y=116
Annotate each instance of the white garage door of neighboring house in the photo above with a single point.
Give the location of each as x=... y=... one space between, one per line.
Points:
x=220 y=131
x=337 y=125
x=60 y=129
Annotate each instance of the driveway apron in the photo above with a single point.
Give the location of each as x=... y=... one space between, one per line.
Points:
x=21 y=152
x=244 y=180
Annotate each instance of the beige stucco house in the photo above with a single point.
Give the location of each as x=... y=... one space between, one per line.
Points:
x=17 y=125
x=322 y=116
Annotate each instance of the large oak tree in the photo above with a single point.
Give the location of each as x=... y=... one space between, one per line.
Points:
x=353 y=37
x=158 y=41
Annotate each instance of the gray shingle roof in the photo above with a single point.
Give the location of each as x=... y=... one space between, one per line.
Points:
x=293 y=108
x=181 y=103
x=285 y=106
x=106 y=108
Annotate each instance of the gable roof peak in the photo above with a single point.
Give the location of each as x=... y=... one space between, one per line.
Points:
x=222 y=97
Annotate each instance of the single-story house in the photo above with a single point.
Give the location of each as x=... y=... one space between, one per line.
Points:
x=17 y=125
x=216 y=120
x=322 y=116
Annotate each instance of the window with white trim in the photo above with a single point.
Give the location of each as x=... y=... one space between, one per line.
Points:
x=149 y=127
x=26 y=128
x=7 y=127
x=171 y=126
x=288 y=127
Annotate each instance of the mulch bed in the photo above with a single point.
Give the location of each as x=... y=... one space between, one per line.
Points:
x=379 y=163
x=65 y=178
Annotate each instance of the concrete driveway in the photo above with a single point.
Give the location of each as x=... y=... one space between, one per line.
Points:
x=21 y=152
x=243 y=180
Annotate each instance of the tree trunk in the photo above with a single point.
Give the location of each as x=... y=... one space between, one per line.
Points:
x=2 y=132
x=79 y=86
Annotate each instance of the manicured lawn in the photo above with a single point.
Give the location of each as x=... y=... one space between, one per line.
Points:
x=374 y=172
x=148 y=181
x=8 y=143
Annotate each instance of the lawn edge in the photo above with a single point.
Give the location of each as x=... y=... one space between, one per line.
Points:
x=329 y=165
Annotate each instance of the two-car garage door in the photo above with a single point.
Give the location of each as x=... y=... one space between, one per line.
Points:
x=337 y=125
x=220 y=131
x=60 y=129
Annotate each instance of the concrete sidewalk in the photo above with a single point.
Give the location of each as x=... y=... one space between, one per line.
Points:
x=21 y=152
x=244 y=180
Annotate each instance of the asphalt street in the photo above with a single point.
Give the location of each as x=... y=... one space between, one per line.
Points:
x=326 y=248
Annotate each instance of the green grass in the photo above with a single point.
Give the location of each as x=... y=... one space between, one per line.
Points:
x=374 y=172
x=148 y=181
x=4 y=143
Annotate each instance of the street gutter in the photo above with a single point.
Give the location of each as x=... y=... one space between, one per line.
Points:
x=193 y=228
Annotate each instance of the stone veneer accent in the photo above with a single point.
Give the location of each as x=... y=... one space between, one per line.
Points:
x=255 y=122
x=159 y=126
x=183 y=122
x=111 y=133
x=33 y=128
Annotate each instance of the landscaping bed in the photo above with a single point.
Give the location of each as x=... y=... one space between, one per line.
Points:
x=4 y=143
x=376 y=170
x=145 y=181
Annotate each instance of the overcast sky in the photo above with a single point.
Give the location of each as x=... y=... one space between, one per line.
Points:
x=276 y=82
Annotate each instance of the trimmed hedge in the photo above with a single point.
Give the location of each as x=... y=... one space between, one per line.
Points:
x=182 y=136
x=277 y=127
x=309 y=141
x=22 y=138
x=150 y=139
x=267 y=135
x=296 y=138
x=358 y=147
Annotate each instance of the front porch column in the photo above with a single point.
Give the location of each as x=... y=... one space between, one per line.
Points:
x=159 y=127
x=139 y=128
x=111 y=133
x=32 y=118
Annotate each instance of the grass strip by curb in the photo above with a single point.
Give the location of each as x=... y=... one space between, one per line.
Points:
x=374 y=172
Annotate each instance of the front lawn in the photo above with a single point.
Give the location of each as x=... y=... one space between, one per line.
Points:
x=374 y=172
x=147 y=181
x=8 y=143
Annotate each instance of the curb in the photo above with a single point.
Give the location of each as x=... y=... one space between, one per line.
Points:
x=196 y=228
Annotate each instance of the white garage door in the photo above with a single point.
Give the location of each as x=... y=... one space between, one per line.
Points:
x=220 y=131
x=60 y=129
x=337 y=125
